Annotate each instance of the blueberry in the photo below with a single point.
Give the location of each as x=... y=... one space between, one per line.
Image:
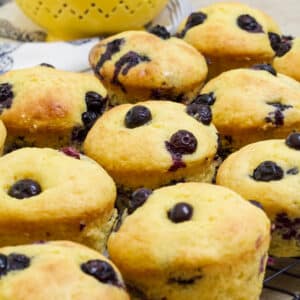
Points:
x=206 y=99
x=102 y=271
x=248 y=23
x=181 y=212
x=265 y=67
x=79 y=134
x=3 y=264
x=293 y=171
x=200 y=112
x=47 y=65
x=17 y=261
x=138 y=198
x=72 y=152
x=280 y=44
x=257 y=204
x=137 y=116
x=183 y=142
x=293 y=140
x=268 y=171
x=275 y=40
x=6 y=95
x=196 y=18
x=24 y=188
x=89 y=118
x=160 y=31
x=95 y=102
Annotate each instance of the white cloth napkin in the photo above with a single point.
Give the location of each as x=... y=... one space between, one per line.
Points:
x=22 y=42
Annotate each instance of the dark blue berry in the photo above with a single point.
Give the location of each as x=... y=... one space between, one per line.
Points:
x=293 y=140
x=3 y=264
x=268 y=171
x=257 y=204
x=200 y=112
x=181 y=212
x=248 y=23
x=138 y=198
x=205 y=99
x=137 y=116
x=24 y=188
x=293 y=171
x=6 y=95
x=95 y=102
x=17 y=261
x=280 y=44
x=183 y=142
x=47 y=65
x=265 y=67
x=89 y=118
x=196 y=18
x=160 y=31
x=102 y=271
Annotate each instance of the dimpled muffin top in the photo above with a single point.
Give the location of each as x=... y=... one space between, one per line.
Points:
x=45 y=99
x=221 y=225
x=144 y=147
x=289 y=63
x=60 y=187
x=58 y=271
x=253 y=99
x=267 y=172
x=143 y=60
x=225 y=29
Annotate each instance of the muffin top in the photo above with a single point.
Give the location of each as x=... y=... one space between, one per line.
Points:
x=267 y=172
x=2 y=134
x=138 y=59
x=45 y=99
x=289 y=63
x=257 y=98
x=60 y=270
x=229 y=29
x=46 y=185
x=153 y=136
x=215 y=222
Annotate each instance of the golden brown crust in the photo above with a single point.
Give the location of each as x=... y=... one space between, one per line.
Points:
x=219 y=35
x=289 y=64
x=246 y=102
x=173 y=66
x=77 y=198
x=55 y=273
x=139 y=157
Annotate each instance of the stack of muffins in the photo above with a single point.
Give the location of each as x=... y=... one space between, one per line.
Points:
x=180 y=158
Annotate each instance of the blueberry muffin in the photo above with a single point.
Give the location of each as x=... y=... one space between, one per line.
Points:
x=154 y=143
x=230 y=36
x=136 y=66
x=211 y=244
x=288 y=61
x=2 y=136
x=58 y=271
x=252 y=104
x=45 y=107
x=267 y=173
x=47 y=195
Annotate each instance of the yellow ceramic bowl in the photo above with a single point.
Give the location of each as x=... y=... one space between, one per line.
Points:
x=72 y=19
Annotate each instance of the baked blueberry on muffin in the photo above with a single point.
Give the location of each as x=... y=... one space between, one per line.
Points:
x=249 y=105
x=268 y=173
x=230 y=36
x=136 y=66
x=289 y=62
x=45 y=107
x=154 y=143
x=211 y=244
x=60 y=271
x=47 y=195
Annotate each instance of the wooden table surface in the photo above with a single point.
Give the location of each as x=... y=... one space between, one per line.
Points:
x=286 y=13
